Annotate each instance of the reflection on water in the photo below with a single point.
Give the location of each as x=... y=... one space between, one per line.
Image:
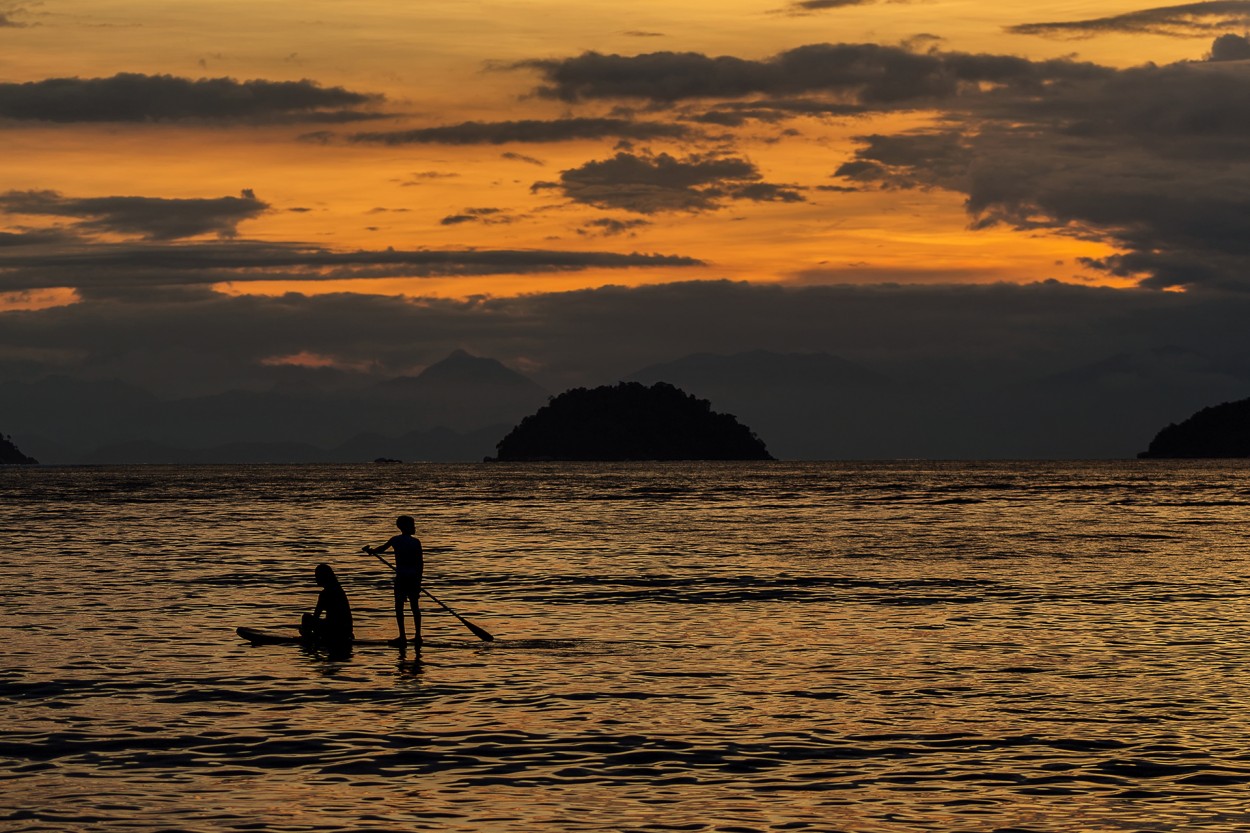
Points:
x=861 y=647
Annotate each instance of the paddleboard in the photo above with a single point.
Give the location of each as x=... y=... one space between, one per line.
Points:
x=256 y=636
x=259 y=637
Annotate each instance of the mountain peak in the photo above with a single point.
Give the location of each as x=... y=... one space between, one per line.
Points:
x=462 y=367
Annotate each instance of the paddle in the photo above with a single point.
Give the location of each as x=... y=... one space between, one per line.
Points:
x=480 y=633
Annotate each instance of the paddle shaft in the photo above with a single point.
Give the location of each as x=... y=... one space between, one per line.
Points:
x=480 y=633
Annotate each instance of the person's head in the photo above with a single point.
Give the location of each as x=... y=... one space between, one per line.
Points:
x=325 y=576
x=406 y=524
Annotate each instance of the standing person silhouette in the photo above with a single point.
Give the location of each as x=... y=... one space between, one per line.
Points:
x=409 y=566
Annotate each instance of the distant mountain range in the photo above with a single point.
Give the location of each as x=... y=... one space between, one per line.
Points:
x=817 y=406
x=803 y=405
x=456 y=409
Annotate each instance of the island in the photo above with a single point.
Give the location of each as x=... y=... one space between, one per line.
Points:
x=629 y=421
x=1218 y=431
x=9 y=453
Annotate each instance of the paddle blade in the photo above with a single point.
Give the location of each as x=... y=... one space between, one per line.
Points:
x=480 y=633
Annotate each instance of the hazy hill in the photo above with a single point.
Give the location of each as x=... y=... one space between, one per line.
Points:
x=435 y=444
x=808 y=405
x=1111 y=406
x=60 y=411
x=454 y=409
x=630 y=421
x=462 y=391
x=762 y=369
x=818 y=406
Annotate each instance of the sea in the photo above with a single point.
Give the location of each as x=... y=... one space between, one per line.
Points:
x=868 y=647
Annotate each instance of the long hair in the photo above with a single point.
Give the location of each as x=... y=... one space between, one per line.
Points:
x=325 y=576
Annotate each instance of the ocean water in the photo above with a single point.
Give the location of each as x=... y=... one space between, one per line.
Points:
x=694 y=647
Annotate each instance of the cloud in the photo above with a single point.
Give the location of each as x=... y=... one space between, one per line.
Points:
x=153 y=218
x=806 y=7
x=519 y=157
x=425 y=177
x=110 y=270
x=865 y=74
x=34 y=237
x=1230 y=48
x=527 y=131
x=7 y=20
x=648 y=184
x=737 y=113
x=1183 y=21
x=610 y=226
x=131 y=97
x=489 y=216
x=1150 y=160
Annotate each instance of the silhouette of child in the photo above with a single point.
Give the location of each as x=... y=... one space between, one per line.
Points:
x=331 y=621
x=409 y=566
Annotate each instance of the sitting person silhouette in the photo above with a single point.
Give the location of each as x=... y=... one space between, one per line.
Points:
x=330 y=623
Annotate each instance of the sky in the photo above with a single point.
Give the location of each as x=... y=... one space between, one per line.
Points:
x=193 y=193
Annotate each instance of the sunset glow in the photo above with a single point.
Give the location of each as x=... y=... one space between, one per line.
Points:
x=397 y=164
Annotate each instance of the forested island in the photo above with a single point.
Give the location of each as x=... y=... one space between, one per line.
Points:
x=1218 y=431
x=9 y=452
x=630 y=421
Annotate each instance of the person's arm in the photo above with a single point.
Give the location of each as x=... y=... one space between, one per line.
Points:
x=383 y=548
x=321 y=605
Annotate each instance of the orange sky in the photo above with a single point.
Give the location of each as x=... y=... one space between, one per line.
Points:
x=446 y=63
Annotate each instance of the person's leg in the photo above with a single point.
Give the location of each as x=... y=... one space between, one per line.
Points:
x=308 y=626
x=416 y=615
x=399 y=613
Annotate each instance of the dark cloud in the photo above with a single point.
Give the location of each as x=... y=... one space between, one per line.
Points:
x=490 y=216
x=941 y=156
x=153 y=218
x=1230 y=48
x=737 y=113
x=131 y=97
x=34 y=237
x=423 y=177
x=107 y=269
x=527 y=131
x=610 y=226
x=805 y=7
x=519 y=157
x=1150 y=160
x=865 y=74
x=1185 y=20
x=7 y=20
x=647 y=184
